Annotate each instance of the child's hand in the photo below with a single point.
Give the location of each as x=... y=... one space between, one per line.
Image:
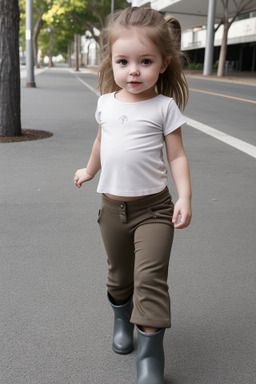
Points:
x=81 y=176
x=182 y=211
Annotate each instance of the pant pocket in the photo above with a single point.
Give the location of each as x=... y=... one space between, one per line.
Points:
x=163 y=211
x=99 y=215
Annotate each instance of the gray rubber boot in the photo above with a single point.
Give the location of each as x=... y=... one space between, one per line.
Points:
x=123 y=329
x=150 y=357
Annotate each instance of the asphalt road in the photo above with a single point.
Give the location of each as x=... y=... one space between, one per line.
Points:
x=55 y=322
x=229 y=107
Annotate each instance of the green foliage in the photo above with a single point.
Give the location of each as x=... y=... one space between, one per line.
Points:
x=66 y=18
x=62 y=12
x=216 y=64
x=197 y=66
x=39 y=7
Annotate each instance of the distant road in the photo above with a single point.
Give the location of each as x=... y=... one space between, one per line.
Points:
x=228 y=107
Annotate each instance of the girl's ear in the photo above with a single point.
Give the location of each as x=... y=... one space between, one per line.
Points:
x=165 y=65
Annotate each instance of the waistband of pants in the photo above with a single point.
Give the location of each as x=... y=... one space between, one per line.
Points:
x=142 y=203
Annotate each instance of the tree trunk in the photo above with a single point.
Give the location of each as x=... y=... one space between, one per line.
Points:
x=50 y=64
x=69 y=55
x=223 y=52
x=10 y=117
x=76 y=46
x=37 y=29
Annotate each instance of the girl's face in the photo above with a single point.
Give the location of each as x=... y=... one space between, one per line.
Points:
x=136 y=64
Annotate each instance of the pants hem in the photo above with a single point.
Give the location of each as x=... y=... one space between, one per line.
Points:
x=151 y=322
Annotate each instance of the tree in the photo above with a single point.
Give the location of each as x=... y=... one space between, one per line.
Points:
x=39 y=8
x=57 y=21
x=227 y=21
x=10 y=117
x=74 y=17
x=61 y=25
x=95 y=14
x=53 y=15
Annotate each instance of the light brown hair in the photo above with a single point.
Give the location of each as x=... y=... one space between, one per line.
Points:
x=165 y=33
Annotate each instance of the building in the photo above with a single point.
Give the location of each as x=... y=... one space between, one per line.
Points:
x=194 y=19
x=90 y=49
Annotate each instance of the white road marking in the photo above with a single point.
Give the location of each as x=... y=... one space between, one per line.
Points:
x=241 y=145
x=88 y=86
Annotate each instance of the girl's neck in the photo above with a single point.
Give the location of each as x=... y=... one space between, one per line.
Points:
x=128 y=97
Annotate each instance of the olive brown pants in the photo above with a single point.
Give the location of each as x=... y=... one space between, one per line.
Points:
x=138 y=237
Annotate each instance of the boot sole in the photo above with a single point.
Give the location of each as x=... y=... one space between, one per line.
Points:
x=122 y=351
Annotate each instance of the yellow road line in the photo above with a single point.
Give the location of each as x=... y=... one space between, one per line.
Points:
x=221 y=95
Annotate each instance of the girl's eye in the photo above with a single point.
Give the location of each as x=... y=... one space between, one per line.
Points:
x=146 y=61
x=122 y=62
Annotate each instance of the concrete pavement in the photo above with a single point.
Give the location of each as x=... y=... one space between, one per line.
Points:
x=55 y=322
x=248 y=78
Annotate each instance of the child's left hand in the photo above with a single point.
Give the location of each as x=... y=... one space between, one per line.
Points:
x=182 y=211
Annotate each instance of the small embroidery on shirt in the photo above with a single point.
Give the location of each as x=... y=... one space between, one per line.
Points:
x=123 y=118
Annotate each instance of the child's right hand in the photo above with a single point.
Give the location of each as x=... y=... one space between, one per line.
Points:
x=81 y=176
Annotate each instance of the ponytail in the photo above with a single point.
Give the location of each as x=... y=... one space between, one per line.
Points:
x=175 y=29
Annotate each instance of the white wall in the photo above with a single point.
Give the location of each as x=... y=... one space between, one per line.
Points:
x=242 y=31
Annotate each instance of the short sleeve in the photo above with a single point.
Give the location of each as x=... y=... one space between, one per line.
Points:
x=98 y=110
x=173 y=118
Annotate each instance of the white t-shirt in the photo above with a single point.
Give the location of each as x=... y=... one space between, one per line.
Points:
x=132 y=140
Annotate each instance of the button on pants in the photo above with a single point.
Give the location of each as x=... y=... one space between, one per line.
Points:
x=138 y=237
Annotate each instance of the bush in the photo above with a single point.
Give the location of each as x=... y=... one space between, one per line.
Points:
x=197 y=66
x=216 y=64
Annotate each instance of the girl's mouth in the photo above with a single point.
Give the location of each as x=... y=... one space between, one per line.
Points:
x=135 y=83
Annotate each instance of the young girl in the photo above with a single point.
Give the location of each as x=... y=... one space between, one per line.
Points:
x=141 y=81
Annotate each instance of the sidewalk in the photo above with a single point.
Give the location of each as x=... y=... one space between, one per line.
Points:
x=234 y=77
x=54 y=318
x=55 y=321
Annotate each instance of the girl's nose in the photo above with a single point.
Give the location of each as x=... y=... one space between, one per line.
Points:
x=134 y=71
